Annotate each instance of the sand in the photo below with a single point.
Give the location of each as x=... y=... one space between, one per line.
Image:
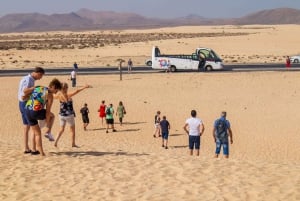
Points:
x=262 y=44
x=131 y=165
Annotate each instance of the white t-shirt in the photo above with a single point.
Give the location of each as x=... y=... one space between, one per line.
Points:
x=73 y=74
x=194 y=126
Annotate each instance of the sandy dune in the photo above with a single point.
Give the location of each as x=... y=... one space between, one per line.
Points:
x=263 y=108
x=261 y=44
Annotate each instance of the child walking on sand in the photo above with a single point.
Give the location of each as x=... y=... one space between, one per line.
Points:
x=157 y=130
x=85 y=116
x=102 y=110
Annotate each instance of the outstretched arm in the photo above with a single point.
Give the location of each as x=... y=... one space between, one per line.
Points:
x=78 y=90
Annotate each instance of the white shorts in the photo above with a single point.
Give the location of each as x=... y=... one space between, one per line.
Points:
x=66 y=119
x=157 y=125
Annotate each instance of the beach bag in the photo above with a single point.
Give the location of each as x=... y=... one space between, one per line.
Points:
x=108 y=112
x=221 y=129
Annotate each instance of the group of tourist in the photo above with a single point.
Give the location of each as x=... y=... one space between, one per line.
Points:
x=194 y=128
x=35 y=104
x=107 y=113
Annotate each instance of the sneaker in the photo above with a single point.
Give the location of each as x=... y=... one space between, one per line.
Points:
x=114 y=130
x=49 y=136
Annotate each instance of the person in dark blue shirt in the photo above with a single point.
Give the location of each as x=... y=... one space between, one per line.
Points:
x=221 y=132
x=165 y=127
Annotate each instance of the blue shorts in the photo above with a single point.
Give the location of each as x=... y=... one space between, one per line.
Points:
x=164 y=135
x=34 y=116
x=194 y=142
x=23 y=114
x=225 y=146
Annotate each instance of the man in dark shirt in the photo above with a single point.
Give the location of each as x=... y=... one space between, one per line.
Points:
x=85 y=116
x=165 y=127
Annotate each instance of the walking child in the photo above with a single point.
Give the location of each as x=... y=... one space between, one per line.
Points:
x=85 y=116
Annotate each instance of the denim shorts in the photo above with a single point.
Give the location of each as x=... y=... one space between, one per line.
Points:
x=23 y=114
x=164 y=135
x=34 y=116
x=225 y=146
x=194 y=142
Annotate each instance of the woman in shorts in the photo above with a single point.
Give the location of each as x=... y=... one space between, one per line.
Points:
x=66 y=112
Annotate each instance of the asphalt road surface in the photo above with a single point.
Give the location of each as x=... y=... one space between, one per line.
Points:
x=147 y=69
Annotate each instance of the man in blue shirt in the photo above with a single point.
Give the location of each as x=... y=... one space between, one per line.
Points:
x=26 y=87
x=221 y=132
x=165 y=127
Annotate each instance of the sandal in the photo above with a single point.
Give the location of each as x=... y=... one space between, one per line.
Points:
x=35 y=153
x=27 y=151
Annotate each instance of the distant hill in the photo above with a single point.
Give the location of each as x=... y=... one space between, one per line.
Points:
x=86 y=19
x=274 y=16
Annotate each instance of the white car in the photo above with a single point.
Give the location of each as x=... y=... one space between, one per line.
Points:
x=295 y=59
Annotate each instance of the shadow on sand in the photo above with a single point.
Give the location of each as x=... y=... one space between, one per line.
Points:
x=95 y=153
x=181 y=146
x=176 y=134
x=131 y=123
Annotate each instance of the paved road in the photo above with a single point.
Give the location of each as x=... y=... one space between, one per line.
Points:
x=144 y=69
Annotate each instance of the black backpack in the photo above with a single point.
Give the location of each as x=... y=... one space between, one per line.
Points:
x=221 y=129
x=108 y=112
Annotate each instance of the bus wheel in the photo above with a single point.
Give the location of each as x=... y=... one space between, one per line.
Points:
x=208 y=68
x=173 y=69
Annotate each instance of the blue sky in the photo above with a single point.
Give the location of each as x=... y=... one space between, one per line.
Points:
x=149 y=8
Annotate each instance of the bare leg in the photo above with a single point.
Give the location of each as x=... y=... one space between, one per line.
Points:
x=52 y=117
x=155 y=132
x=33 y=142
x=37 y=132
x=26 y=136
x=113 y=127
x=72 y=128
x=191 y=152
x=197 y=152
x=62 y=129
x=107 y=125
